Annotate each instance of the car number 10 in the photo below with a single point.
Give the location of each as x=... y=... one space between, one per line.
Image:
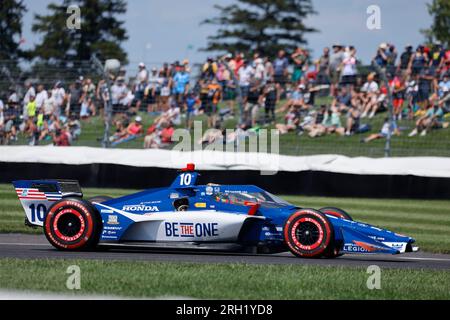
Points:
x=186 y=179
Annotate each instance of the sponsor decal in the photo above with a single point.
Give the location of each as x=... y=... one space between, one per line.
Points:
x=209 y=190
x=350 y=247
x=113 y=219
x=140 y=208
x=174 y=195
x=369 y=247
x=200 y=205
x=106 y=211
x=191 y=230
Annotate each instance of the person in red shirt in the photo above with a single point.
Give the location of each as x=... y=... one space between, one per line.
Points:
x=60 y=138
x=135 y=128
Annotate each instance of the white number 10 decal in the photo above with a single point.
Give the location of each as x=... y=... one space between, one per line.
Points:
x=185 y=179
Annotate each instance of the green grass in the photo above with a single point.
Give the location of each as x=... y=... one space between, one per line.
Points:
x=222 y=281
x=436 y=143
x=426 y=220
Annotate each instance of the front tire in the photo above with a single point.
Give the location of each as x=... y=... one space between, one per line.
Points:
x=72 y=224
x=336 y=212
x=308 y=233
x=335 y=249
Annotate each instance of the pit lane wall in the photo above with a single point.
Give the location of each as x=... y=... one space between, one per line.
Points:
x=324 y=175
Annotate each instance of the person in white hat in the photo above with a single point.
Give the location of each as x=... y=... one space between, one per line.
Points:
x=141 y=84
x=135 y=128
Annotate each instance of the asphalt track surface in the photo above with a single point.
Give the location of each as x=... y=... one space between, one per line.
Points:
x=36 y=247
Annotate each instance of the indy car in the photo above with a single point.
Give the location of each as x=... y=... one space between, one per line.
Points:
x=189 y=215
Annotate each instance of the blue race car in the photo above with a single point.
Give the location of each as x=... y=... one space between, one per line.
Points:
x=189 y=215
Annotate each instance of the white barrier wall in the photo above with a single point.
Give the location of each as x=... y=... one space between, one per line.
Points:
x=217 y=160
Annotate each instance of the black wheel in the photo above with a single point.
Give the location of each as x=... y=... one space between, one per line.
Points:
x=308 y=233
x=72 y=224
x=99 y=199
x=336 y=212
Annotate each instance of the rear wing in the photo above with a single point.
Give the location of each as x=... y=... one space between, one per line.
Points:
x=36 y=196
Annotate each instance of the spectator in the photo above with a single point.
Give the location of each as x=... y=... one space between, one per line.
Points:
x=159 y=137
x=371 y=91
x=181 y=84
x=73 y=126
x=398 y=90
x=61 y=138
x=134 y=129
x=251 y=108
x=384 y=132
x=335 y=63
x=300 y=58
x=209 y=69
x=31 y=108
x=41 y=97
x=405 y=60
x=381 y=57
x=348 y=67
x=291 y=121
x=119 y=95
x=191 y=101
x=59 y=95
x=433 y=118
x=30 y=92
x=417 y=62
x=280 y=67
x=88 y=97
x=74 y=98
x=270 y=97
x=214 y=97
x=245 y=74
x=322 y=67
x=121 y=132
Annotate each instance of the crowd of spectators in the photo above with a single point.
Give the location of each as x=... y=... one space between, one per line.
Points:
x=258 y=89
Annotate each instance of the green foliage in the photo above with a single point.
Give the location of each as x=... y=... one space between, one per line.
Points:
x=101 y=32
x=264 y=26
x=440 y=28
x=11 y=14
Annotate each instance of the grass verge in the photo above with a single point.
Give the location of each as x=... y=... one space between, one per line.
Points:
x=222 y=281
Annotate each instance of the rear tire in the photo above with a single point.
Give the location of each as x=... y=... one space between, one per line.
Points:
x=336 y=212
x=73 y=224
x=308 y=233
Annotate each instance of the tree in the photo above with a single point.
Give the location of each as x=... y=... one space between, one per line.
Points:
x=260 y=25
x=100 y=31
x=440 y=28
x=11 y=14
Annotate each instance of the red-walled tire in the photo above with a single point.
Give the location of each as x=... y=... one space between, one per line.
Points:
x=339 y=213
x=72 y=224
x=334 y=250
x=308 y=233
